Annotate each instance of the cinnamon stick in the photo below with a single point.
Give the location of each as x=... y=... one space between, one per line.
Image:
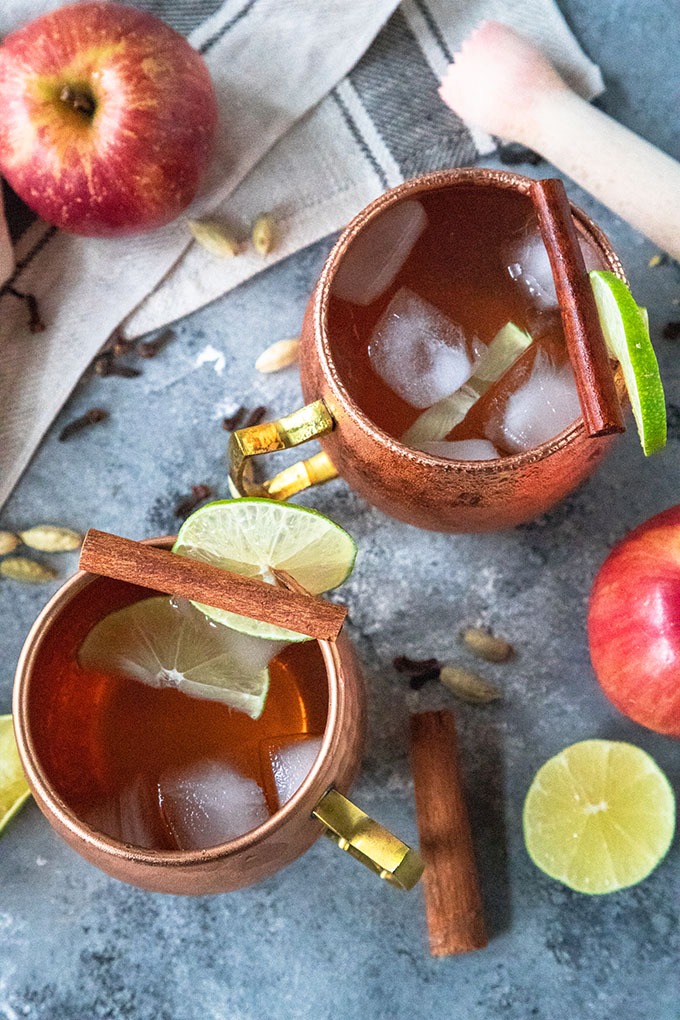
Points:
x=453 y=902
x=137 y=563
x=585 y=343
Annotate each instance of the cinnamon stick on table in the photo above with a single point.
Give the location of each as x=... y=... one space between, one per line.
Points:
x=138 y=563
x=453 y=902
x=585 y=343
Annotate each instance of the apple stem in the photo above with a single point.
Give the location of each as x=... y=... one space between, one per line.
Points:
x=79 y=99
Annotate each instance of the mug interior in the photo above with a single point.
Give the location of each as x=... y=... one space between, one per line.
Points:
x=451 y=226
x=65 y=741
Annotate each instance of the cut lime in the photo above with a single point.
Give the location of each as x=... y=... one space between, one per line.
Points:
x=14 y=790
x=599 y=816
x=626 y=330
x=168 y=643
x=255 y=536
x=437 y=421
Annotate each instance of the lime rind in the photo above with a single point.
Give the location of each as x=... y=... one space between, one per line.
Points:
x=14 y=790
x=252 y=536
x=572 y=836
x=626 y=331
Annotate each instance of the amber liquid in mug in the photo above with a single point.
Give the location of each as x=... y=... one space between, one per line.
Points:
x=473 y=255
x=106 y=742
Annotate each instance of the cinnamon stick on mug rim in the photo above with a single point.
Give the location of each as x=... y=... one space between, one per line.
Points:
x=453 y=902
x=585 y=343
x=161 y=570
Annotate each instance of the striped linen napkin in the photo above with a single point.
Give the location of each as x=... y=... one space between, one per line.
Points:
x=336 y=102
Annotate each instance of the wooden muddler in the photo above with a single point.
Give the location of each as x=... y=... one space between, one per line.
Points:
x=453 y=902
x=585 y=343
x=137 y=563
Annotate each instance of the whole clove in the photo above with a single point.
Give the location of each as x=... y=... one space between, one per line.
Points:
x=91 y=417
x=105 y=364
x=254 y=417
x=234 y=420
x=671 y=330
x=150 y=348
x=415 y=667
x=120 y=346
x=190 y=502
x=417 y=682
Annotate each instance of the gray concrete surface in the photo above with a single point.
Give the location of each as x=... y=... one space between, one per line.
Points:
x=324 y=938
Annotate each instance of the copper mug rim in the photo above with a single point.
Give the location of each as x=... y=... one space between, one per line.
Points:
x=484 y=177
x=45 y=793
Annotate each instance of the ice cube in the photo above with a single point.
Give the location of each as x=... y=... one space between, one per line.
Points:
x=419 y=353
x=540 y=408
x=210 y=803
x=131 y=816
x=290 y=760
x=377 y=254
x=528 y=264
x=461 y=449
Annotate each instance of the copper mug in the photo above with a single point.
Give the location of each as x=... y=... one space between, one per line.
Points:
x=421 y=489
x=318 y=806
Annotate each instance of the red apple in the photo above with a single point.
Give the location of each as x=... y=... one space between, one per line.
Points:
x=634 y=624
x=106 y=118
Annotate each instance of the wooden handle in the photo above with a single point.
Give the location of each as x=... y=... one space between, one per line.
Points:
x=630 y=176
x=164 y=571
x=453 y=901
x=583 y=334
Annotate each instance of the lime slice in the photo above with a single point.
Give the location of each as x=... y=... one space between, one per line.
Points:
x=167 y=643
x=599 y=816
x=626 y=330
x=254 y=536
x=14 y=789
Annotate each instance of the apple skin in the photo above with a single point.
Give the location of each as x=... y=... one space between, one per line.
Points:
x=634 y=624
x=135 y=161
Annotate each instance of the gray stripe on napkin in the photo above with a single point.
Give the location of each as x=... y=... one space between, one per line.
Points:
x=414 y=124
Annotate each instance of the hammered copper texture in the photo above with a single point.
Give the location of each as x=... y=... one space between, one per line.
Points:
x=411 y=486
x=252 y=857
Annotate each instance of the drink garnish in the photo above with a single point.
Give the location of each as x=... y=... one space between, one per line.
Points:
x=626 y=330
x=582 y=330
x=437 y=421
x=254 y=537
x=14 y=790
x=599 y=816
x=164 y=643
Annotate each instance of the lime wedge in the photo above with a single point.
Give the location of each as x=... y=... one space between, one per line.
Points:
x=437 y=421
x=14 y=790
x=167 y=643
x=599 y=816
x=626 y=330
x=254 y=536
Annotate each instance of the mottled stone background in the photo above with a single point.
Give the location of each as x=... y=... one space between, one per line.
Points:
x=325 y=938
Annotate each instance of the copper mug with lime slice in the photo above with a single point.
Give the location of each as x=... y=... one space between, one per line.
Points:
x=156 y=788
x=435 y=299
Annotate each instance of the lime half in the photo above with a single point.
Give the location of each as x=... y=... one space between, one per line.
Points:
x=14 y=791
x=255 y=536
x=168 y=643
x=626 y=331
x=599 y=816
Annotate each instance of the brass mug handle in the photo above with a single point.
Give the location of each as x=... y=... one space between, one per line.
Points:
x=367 y=841
x=309 y=422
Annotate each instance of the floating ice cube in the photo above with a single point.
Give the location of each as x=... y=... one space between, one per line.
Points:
x=377 y=254
x=210 y=803
x=542 y=407
x=418 y=352
x=290 y=762
x=461 y=449
x=132 y=816
x=528 y=264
